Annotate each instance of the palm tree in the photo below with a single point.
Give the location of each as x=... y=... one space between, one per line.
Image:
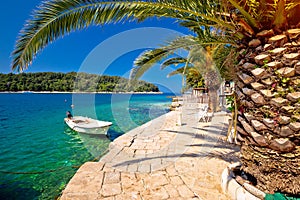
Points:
x=268 y=87
x=191 y=76
x=200 y=61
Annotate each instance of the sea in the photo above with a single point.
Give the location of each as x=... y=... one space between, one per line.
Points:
x=40 y=153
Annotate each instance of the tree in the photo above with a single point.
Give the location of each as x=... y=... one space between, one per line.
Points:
x=199 y=62
x=49 y=81
x=267 y=75
x=167 y=54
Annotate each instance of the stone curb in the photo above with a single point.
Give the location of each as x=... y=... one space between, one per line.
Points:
x=234 y=190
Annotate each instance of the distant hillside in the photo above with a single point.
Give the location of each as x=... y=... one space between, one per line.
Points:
x=70 y=82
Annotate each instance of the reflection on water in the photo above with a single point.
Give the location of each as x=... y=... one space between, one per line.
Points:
x=96 y=145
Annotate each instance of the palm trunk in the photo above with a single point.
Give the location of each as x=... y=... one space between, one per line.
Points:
x=213 y=100
x=213 y=83
x=268 y=91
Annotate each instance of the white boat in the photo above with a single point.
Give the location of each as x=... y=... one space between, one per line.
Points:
x=87 y=125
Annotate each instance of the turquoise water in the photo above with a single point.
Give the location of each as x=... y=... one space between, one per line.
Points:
x=39 y=153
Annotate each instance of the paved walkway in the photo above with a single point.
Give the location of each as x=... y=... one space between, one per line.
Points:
x=160 y=160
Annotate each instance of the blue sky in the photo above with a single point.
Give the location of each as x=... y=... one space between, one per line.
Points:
x=109 y=49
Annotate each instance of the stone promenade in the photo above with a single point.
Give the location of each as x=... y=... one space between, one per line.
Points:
x=160 y=160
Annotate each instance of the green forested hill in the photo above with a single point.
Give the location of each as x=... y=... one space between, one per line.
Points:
x=68 y=82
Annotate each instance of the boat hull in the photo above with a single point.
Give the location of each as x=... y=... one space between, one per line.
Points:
x=87 y=125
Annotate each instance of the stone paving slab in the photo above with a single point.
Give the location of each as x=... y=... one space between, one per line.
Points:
x=160 y=160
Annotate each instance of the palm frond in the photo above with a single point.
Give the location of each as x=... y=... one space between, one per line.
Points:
x=176 y=72
x=206 y=37
x=200 y=59
x=56 y=18
x=149 y=58
x=252 y=21
x=293 y=12
x=193 y=71
x=280 y=17
x=173 y=61
x=225 y=57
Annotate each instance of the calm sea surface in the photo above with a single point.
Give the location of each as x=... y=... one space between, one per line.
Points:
x=39 y=153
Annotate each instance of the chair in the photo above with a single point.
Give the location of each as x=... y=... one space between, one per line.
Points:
x=202 y=115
